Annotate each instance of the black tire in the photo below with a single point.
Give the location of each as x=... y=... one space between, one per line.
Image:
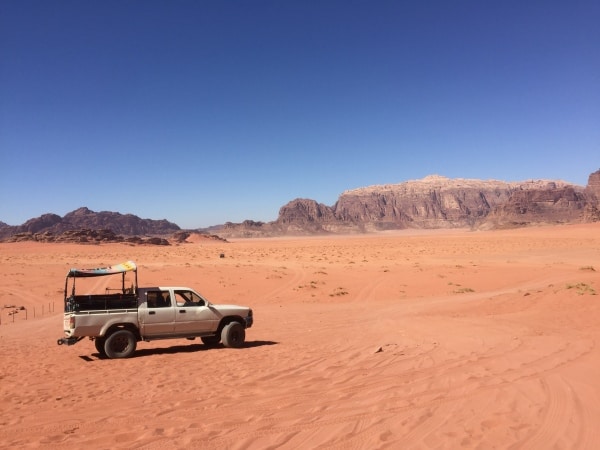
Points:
x=211 y=341
x=120 y=344
x=99 y=343
x=233 y=335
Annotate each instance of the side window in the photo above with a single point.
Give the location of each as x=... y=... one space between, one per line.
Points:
x=158 y=299
x=181 y=298
x=188 y=298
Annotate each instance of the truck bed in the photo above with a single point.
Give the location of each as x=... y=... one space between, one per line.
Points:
x=76 y=303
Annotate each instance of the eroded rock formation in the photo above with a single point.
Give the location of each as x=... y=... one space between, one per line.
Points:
x=434 y=202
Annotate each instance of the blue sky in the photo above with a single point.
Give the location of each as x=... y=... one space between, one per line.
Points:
x=202 y=112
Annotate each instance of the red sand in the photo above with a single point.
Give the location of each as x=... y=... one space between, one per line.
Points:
x=445 y=339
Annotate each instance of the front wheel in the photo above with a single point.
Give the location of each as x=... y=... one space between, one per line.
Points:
x=233 y=335
x=120 y=344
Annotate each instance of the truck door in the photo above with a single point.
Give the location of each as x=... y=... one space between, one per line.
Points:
x=156 y=314
x=193 y=315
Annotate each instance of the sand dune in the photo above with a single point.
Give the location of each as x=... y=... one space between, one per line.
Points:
x=440 y=339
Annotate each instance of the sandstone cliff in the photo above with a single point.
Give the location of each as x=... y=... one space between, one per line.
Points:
x=593 y=187
x=434 y=202
x=591 y=212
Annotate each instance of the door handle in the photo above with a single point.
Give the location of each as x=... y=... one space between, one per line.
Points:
x=182 y=311
x=151 y=312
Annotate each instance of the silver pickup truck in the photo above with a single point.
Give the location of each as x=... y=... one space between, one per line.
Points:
x=116 y=321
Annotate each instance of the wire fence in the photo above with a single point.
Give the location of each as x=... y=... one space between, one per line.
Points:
x=13 y=313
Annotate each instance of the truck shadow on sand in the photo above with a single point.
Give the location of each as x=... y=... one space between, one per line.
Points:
x=189 y=348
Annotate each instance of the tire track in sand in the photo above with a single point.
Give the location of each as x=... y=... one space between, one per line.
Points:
x=558 y=412
x=298 y=275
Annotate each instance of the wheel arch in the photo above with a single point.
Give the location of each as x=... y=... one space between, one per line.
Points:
x=122 y=326
x=227 y=320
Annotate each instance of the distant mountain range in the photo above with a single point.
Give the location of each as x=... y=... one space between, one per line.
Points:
x=85 y=225
x=432 y=202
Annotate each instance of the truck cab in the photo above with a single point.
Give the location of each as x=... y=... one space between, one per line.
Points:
x=181 y=311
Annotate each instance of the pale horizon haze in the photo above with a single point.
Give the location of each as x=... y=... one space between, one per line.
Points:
x=206 y=112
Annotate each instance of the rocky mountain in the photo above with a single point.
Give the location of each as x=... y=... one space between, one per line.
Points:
x=431 y=202
x=127 y=225
x=593 y=187
x=434 y=202
x=592 y=191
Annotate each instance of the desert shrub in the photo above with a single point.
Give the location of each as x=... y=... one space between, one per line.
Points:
x=582 y=288
x=463 y=290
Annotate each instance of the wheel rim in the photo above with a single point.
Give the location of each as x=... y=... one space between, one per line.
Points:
x=119 y=344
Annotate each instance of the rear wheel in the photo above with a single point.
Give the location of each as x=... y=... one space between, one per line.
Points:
x=233 y=335
x=99 y=343
x=120 y=344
